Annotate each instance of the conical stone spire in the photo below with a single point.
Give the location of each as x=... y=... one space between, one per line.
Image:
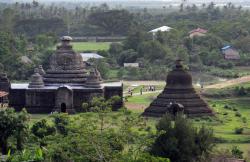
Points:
x=66 y=66
x=41 y=71
x=94 y=79
x=36 y=80
x=179 y=89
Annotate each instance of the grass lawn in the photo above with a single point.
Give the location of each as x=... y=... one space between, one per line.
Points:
x=145 y=99
x=223 y=123
x=90 y=46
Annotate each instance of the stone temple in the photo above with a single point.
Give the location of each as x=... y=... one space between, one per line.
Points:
x=179 y=89
x=64 y=86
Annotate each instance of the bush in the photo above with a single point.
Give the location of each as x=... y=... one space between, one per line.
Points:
x=239 y=130
x=244 y=119
x=227 y=107
x=181 y=141
x=237 y=114
x=235 y=109
x=225 y=113
x=237 y=153
x=241 y=91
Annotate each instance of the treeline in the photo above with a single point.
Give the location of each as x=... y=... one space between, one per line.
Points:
x=34 y=18
x=226 y=25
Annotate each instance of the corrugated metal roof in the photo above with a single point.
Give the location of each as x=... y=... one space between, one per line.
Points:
x=226 y=47
x=161 y=29
x=86 y=56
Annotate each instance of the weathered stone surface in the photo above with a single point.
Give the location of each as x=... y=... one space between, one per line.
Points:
x=36 y=80
x=66 y=65
x=179 y=89
x=94 y=79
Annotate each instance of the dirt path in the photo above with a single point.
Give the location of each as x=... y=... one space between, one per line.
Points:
x=134 y=106
x=230 y=82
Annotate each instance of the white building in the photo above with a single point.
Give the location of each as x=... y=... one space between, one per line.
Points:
x=160 y=29
x=87 y=56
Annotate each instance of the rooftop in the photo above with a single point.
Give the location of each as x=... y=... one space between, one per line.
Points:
x=87 y=56
x=199 y=30
x=161 y=29
x=226 y=47
x=25 y=86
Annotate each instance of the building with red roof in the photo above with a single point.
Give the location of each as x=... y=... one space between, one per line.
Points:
x=197 y=32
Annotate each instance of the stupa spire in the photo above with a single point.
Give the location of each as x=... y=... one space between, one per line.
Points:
x=66 y=66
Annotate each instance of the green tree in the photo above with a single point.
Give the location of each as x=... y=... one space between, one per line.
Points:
x=154 y=51
x=12 y=124
x=180 y=140
x=21 y=128
x=112 y=21
x=127 y=56
x=41 y=129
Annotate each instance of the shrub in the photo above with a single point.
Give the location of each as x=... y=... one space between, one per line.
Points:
x=241 y=91
x=239 y=130
x=236 y=152
x=227 y=107
x=235 y=109
x=225 y=113
x=237 y=114
x=85 y=107
x=244 y=119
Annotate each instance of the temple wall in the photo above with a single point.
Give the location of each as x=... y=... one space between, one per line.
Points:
x=4 y=86
x=44 y=100
x=39 y=101
x=85 y=95
x=109 y=92
x=17 y=98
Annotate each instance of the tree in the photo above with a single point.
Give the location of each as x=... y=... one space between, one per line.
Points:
x=127 y=56
x=180 y=140
x=21 y=128
x=12 y=124
x=41 y=129
x=112 y=21
x=153 y=50
x=134 y=39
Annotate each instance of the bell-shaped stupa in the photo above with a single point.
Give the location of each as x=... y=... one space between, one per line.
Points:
x=179 y=89
x=94 y=79
x=66 y=66
x=36 y=80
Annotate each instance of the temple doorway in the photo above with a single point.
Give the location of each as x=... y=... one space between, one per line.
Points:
x=63 y=108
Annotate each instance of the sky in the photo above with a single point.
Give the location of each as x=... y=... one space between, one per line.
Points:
x=237 y=2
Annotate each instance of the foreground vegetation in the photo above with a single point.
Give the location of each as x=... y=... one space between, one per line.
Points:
x=231 y=123
x=101 y=135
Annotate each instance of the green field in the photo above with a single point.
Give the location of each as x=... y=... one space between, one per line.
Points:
x=90 y=46
x=223 y=123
